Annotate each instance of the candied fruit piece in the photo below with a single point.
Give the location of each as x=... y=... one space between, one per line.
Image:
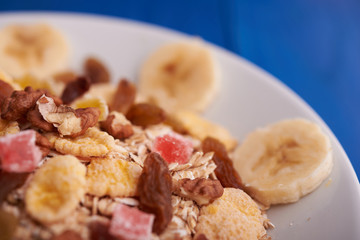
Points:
x=130 y=223
x=19 y=159
x=173 y=148
x=114 y=177
x=56 y=189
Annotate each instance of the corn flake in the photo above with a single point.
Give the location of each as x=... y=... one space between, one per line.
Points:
x=94 y=143
x=114 y=177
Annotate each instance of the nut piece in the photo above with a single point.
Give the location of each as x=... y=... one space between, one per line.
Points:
x=69 y=122
x=5 y=91
x=43 y=143
x=202 y=191
x=124 y=96
x=37 y=120
x=96 y=71
x=19 y=103
x=117 y=126
x=75 y=89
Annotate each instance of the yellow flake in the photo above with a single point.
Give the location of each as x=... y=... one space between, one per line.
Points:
x=113 y=177
x=94 y=143
x=232 y=216
x=90 y=101
x=8 y=127
x=56 y=189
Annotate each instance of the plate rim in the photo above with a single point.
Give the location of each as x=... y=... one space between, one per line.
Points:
x=254 y=69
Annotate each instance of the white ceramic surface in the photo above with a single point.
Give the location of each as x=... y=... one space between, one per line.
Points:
x=249 y=98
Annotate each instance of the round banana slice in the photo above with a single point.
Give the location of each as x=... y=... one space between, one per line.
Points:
x=37 y=49
x=4 y=76
x=284 y=161
x=181 y=75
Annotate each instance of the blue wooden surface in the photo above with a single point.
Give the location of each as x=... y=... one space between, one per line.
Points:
x=312 y=46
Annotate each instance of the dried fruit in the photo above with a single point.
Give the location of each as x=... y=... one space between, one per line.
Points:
x=75 y=89
x=124 y=97
x=224 y=171
x=69 y=122
x=175 y=124
x=96 y=71
x=100 y=231
x=154 y=188
x=93 y=143
x=117 y=126
x=56 y=189
x=173 y=148
x=19 y=159
x=8 y=224
x=144 y=114
x=130 y=223
x=9 y=182
x=202 y=191
x=88 y=101
x=113 y=177
x=65 y=77
x=68 y=235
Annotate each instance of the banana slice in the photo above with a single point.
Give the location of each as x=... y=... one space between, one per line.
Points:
x=8 y=79
x=180 y=75
x=284 y=161
x=201 y=128
x=38 y=49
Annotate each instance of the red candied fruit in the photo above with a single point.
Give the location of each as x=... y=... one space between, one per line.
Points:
x=173 y=148
x=19 y=153
x=129 y=223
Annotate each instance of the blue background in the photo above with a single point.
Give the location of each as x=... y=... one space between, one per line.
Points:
x=313 y=46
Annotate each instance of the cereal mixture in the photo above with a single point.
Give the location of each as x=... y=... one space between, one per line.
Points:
x=82 y=158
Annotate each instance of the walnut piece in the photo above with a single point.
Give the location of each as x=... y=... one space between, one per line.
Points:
x=5 y=91
x=69 y=122
x=19 y=103
x=117 y=126
x=37 y=120
x=202 y=191
x=43 y=143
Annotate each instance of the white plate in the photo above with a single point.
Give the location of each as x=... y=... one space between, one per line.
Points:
x=249 y=98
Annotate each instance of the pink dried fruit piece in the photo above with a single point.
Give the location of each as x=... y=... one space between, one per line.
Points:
x=173 y=148
x=130 y=223
x=19 y=159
